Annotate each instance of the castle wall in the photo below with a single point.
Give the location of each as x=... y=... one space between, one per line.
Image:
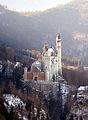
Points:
x=35 y=75
x=42 y=76
x=29 y=76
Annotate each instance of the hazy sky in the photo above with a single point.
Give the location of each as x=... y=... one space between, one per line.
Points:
x=32 y=5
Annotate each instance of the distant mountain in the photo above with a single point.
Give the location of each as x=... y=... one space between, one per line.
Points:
x=31 y=30
x=81 y=6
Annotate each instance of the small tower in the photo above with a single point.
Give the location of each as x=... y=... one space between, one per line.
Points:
x=45 y=48
x=58 y=50
x=25 y=73
x=58 y=41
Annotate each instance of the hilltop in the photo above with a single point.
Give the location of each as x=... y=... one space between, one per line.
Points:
x=32 y=29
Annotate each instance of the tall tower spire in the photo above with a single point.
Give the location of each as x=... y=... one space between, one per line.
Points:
x=58 y=49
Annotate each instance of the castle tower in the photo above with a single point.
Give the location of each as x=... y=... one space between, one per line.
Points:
x=46 y=57
x=45 y=48
x=52 y=59
x=58 y=50
x=25 y=73
x=47 y=64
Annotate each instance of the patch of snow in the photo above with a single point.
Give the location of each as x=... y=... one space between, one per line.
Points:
x=24 y=118
x=13 y=100
x=17 y=63
x=82 y=88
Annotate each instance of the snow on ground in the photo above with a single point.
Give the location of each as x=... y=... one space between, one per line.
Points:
x=13 y=101
x=82 y=88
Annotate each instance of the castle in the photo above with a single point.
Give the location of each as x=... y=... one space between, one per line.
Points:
x=49 y=67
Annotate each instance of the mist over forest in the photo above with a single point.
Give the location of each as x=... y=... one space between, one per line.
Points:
x=31 y=29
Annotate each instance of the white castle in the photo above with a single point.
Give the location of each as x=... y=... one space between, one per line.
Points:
x=50 y=67
x=52 y=59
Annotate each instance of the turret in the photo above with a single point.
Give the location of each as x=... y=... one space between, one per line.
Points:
x=25 y=73
x=58 y=41
x=58 y=50
x=45 y=48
